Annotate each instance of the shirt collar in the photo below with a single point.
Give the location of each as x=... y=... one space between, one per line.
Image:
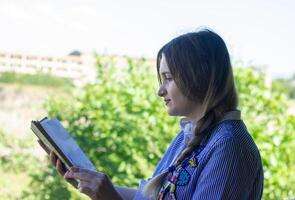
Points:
x=232 y=115
x=188 y=126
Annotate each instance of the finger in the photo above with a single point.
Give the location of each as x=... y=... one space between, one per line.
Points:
x=46 y=149
x=75 y=169
x=83 y=176
x=53 y=158
x=73 y=182
x=78 y=169
x=60 y=167
x=88 y=171
x=85 y=188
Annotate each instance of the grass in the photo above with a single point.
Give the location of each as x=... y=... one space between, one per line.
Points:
x=35 y=79
x=17 y=166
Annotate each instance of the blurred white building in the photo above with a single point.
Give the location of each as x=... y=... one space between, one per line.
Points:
x=76 y=66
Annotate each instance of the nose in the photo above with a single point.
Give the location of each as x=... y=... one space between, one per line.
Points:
x=162 y=91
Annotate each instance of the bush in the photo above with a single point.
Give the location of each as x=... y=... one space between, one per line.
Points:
x=286 y=85
x=16 y=154
x=16 y=161
x=264 y=110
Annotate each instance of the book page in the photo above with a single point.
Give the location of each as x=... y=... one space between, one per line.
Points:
x=66 y=143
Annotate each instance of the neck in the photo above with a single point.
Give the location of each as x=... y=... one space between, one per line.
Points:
x=195 y=116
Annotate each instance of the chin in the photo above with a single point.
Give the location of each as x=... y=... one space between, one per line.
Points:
x=172 y=113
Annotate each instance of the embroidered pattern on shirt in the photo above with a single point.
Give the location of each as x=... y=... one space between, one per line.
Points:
x=178 y=176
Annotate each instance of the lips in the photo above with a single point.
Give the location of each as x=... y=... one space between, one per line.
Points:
x=167 y=101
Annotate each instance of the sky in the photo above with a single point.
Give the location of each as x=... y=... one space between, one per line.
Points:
x=257 y=32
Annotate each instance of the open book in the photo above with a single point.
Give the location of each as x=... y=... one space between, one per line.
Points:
x=57 y=139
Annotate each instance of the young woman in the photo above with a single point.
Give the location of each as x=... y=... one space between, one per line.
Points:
x=213 y=156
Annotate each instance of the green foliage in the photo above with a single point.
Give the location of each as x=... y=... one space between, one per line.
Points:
x=19 y=165
x=16 y=160
x=15 y=154
x=124 y=128
x=285 y=85
x=119 y=122
x=35 y=79
x=52 y=187
x=264 y=111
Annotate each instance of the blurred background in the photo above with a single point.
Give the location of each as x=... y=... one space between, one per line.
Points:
x=91 y=64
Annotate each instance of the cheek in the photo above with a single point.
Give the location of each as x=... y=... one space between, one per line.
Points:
x=174 y=91
x=178 y=100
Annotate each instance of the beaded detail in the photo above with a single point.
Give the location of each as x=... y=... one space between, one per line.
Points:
x=183 y=177
x=193 y=162
x=178 y=176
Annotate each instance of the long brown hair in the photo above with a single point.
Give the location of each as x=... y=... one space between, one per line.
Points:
x=200 y=66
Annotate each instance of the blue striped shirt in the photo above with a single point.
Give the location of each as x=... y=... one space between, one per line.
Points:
x=229 y=166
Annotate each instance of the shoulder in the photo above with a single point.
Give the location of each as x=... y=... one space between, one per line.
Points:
x=231 y=137
x=231 y=130
x=230 y=164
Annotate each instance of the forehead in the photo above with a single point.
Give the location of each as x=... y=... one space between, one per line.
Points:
x=163 y=65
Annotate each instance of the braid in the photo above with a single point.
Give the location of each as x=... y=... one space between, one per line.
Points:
x=199 y=134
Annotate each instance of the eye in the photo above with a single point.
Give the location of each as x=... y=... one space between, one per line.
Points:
x=167 y=77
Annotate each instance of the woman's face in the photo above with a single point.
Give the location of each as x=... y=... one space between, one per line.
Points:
x=177 y=104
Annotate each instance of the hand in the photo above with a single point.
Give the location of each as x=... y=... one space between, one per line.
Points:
x=94 y=184
x=56 y=162
x=60 y=167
